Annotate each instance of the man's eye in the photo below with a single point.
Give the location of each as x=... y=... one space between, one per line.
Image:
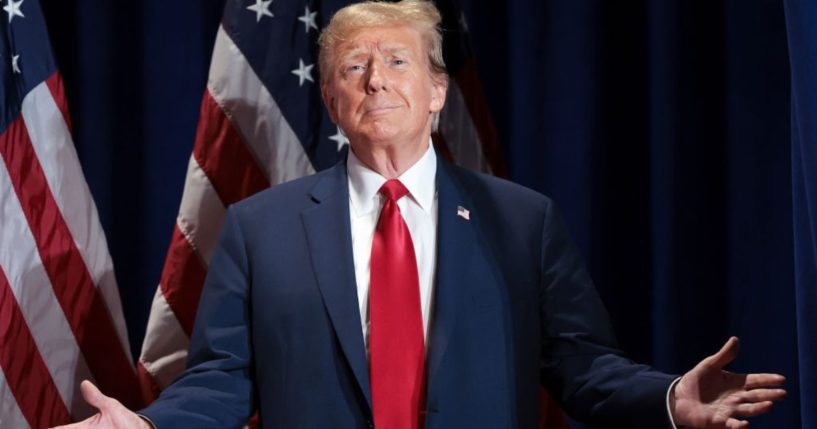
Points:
x=398 y=62
x=355 y=68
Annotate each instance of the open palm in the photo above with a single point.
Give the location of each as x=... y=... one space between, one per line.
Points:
x=710 y=397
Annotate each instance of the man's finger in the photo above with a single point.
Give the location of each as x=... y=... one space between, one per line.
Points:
x=755 y=381
x=754 y=409
x=760 y=395
x=725 y=355
x=737 y=424
x=92 y=395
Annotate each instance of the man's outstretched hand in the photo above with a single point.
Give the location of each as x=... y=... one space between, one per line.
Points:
x=112 y=414
x=709 y=397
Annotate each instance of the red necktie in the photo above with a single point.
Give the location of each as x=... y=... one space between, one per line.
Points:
x=396 y=349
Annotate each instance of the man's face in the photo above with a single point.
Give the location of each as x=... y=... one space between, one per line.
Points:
x=381 y=91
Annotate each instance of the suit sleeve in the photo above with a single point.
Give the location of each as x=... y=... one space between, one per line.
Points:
x=580 y=363
x=216 y=390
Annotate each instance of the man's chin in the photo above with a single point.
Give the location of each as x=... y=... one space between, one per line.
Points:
x=380 y=131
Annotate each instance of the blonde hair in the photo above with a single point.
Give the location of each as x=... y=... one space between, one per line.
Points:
x=421 y=15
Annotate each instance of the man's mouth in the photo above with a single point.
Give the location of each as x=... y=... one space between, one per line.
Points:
x=379 y=109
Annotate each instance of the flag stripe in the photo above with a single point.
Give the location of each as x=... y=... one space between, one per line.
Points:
x=237 y=88
x=32 y=288
x=182 y=280
x=201 y=212
x=55 y=85
x=54 y=148
x=81 y=302
x=223 y=156
x=165 y=352
x=150 y=389
x=10 y=414
x=26 y=373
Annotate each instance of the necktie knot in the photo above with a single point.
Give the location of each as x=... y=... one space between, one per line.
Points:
x=393 y=190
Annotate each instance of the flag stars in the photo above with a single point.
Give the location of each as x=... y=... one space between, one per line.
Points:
x=340 y=139
x=303 y=72
x=261 y=8
x=15 y=63
x=13 y=9
x=308 y=19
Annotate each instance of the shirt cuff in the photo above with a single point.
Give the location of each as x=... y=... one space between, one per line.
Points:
x=669 y=410
x=153 y=426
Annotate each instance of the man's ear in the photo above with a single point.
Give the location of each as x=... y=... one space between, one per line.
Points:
x=438 y=92
x=328 y=96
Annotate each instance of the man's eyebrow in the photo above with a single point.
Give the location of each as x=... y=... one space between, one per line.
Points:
x=357 y=52
x=397 y=50
x=352 y=54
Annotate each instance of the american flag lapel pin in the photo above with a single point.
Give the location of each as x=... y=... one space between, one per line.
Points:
x=463 y=213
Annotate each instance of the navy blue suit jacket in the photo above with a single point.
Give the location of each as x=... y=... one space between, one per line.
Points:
x=278 y=327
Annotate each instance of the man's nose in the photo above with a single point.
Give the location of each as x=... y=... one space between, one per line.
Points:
x=377 y=78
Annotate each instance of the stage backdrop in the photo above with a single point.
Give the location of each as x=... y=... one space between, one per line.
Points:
x=661 y=127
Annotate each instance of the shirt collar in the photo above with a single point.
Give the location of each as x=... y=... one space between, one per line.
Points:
x=419 y=179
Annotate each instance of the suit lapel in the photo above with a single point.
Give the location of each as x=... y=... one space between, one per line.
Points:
x=458 y=252
x=330 y=243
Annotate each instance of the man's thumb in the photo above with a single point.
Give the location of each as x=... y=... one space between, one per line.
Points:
x=726 y=354
x=92 y=395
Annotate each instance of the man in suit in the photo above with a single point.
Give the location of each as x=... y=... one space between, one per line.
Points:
x=398 y=291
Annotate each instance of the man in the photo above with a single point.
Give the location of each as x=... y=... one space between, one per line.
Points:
x=398 y=291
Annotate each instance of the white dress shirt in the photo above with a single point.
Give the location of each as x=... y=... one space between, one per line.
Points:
x=419 y=210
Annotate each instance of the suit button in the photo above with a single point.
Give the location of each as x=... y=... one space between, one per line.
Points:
x=371 y=424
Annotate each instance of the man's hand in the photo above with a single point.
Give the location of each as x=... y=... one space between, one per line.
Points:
x=709 y=397
x=112 y=414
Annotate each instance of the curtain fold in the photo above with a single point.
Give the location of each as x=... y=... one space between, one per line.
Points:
x=801 y=17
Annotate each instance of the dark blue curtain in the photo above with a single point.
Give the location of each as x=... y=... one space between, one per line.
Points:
x=800 y=19
x=661 y=127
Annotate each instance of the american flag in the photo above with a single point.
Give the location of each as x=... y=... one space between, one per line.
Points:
x=60 y=315
x=262 y=122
